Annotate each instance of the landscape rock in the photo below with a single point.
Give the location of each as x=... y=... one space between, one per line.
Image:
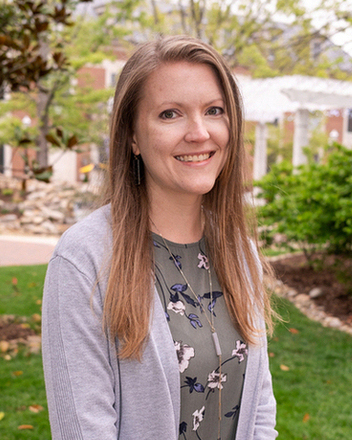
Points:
x=316 y=292
x=7 y=218
x=291 y=293
x=49 y=227
x=331 y=321
x=46 y=208
x=302 y=299
x=53 y=214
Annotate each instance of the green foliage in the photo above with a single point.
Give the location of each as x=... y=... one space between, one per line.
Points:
x=257 y=62
x=28 y=36
x=41 y=59
x=311 y=206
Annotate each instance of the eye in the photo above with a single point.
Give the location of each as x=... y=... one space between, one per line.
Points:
x=215 y=111
x=168 y=114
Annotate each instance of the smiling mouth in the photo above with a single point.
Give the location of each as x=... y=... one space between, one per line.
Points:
x=194 y=157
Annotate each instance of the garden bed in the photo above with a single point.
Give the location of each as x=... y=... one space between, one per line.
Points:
x=332 y=275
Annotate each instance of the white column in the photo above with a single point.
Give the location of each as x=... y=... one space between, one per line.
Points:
x=64 y=165
x=260 y=160
x=8 y=160
x=300 y=137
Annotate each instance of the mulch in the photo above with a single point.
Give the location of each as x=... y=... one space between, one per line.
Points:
x=11 y=330
x=333 y=275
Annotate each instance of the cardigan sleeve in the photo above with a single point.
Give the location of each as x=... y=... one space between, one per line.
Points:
x=79 y=366
x=264 y=428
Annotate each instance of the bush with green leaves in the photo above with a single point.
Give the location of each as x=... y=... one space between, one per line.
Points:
x=312 y=205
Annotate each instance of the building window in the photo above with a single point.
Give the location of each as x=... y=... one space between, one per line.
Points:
x=349 y=120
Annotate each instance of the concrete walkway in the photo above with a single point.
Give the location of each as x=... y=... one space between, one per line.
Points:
x=20 y=250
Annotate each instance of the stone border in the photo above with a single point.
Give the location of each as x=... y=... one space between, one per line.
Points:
x=307 y=306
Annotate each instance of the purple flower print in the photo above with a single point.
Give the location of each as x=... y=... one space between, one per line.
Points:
x=193 y=385
x=194 y=320
x=233 y=413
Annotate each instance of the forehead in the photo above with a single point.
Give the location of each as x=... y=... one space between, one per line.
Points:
x=182 y=77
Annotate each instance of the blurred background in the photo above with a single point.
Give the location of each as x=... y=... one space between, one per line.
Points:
x=59 y=63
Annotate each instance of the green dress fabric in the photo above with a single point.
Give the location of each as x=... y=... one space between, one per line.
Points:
x=191 y=332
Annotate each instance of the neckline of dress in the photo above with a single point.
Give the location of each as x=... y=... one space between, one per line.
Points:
x=156 y=237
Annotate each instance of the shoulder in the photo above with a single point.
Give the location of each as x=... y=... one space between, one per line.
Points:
x=87 y=244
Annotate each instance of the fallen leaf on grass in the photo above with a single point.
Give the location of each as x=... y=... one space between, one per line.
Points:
x=284 y=367
x=17 y=373
x=2 y=415
x=35 y=408
x=25 y=427
x=294 y=331
x=39 y=301
x=306 y=417
x=7 y=357
x=4 y=346
x=271 y=354
x=36 y=317
x=14 y=281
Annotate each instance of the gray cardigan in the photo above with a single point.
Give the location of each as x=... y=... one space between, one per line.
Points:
x=91 y=394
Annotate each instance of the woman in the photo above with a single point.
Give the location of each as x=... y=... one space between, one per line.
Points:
x=154 y=309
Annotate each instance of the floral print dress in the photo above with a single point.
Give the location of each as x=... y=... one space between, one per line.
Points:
x=198 y=362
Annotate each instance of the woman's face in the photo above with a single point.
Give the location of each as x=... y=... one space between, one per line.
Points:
x=181 y=130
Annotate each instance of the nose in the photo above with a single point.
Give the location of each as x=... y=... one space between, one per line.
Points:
x=197 y=130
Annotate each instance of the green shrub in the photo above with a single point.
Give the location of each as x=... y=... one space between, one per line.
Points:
x=311 y=206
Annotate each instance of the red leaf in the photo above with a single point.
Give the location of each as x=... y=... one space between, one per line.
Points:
x=35 y=408
x=294 y=331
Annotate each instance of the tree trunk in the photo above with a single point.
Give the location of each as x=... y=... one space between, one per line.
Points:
x=197 y=12
x=155 y=13
x=43 y=119
x=183 y=17
x=43 y=102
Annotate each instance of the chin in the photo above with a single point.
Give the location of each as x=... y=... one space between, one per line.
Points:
x=203 y=189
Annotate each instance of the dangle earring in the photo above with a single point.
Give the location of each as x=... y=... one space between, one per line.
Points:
x=137 y=169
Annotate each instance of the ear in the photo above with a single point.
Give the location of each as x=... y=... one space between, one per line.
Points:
x=135 y=148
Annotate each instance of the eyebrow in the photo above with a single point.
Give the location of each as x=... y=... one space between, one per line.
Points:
x=180 y=104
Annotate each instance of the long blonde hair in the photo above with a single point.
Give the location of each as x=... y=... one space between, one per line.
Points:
x=129 y=294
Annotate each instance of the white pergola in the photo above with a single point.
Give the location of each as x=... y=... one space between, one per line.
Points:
x=268 y=99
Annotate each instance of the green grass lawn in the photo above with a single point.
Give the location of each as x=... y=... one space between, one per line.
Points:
x=21 y=378
x=311 y=367
x=314 y=395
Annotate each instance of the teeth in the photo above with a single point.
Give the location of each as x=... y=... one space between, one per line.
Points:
x=195 y=158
